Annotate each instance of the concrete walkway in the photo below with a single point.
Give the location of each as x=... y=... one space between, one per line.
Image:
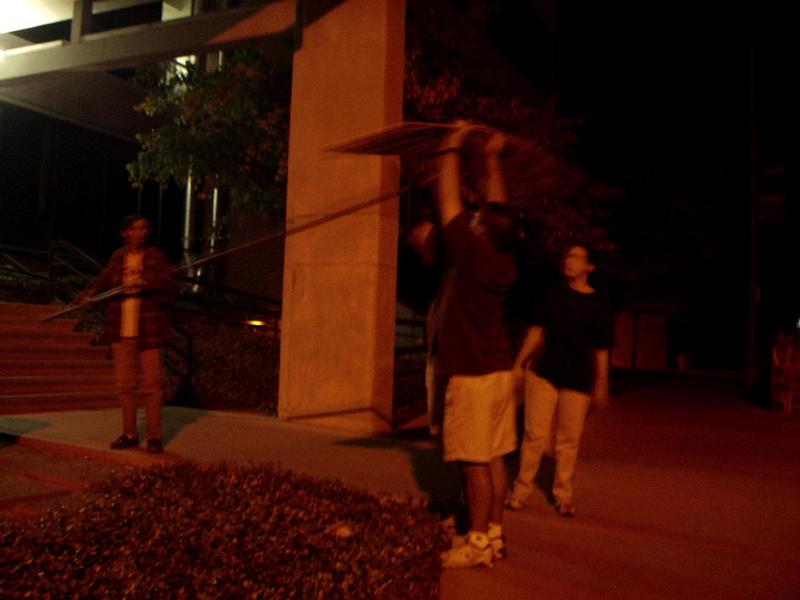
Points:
x=683 y=491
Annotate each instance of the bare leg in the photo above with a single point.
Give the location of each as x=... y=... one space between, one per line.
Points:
x=499 y=481
x=479 y=494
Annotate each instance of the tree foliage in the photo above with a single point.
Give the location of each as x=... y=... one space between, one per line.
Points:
x=455 y=69
x=228 y=128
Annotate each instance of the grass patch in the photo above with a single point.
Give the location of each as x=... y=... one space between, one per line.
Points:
x=186 y=531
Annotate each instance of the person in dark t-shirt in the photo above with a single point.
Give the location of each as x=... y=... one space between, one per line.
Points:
x=564 y=361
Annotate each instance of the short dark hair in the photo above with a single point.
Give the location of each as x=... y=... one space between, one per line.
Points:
x=591 y=253
x=127 y=222
x=503 y=225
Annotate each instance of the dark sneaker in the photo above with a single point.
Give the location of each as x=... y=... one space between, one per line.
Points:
x=123 y=442
x=154 y=446
x=565 y=509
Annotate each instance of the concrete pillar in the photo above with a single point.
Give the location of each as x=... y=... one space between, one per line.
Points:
x=337 y=340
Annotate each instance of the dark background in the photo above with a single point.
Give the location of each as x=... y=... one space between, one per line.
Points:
x=671 y=96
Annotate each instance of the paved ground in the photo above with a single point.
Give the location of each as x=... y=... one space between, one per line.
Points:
x=683 y=490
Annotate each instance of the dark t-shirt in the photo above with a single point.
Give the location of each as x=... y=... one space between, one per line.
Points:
x=472 y=335
x=575 y=325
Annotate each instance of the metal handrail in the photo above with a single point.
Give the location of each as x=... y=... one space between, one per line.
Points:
x=65 y=245
x=229 y=290
x=187 y=355
x=54 y=259
x=11 y=254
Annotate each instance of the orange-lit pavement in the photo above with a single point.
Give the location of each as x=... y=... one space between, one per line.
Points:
x=683 y=491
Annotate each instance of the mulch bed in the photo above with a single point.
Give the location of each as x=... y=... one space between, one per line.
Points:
x=187 y=531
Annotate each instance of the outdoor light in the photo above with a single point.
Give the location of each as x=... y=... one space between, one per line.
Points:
x=256 y=323
x=22 y=14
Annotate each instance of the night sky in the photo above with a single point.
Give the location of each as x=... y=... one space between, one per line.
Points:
x=666 y=91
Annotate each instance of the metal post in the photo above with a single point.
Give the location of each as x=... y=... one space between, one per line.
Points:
x=187 y=222
x=751 y=364
x=81 y=20
x=212 y=242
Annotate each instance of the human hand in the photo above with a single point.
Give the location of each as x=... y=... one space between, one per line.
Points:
x=600 y=398
x=496 y=144
x=463 y=129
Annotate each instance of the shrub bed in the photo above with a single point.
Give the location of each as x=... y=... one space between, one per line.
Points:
x=235 y=367
x=185 y=531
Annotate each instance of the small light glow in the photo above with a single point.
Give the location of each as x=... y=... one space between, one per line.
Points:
x=256 y=323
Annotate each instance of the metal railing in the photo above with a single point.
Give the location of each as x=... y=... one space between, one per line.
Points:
x=80 y=268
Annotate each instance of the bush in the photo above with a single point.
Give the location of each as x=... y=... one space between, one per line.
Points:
x=234 y=367
x=185 y=531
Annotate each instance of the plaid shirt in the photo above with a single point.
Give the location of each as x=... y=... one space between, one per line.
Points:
x=157 y=291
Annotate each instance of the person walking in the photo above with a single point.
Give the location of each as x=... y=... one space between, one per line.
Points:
x=564 y=361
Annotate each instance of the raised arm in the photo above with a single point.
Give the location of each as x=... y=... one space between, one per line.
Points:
x=495 y=180
x=529 y=347
x=449 y=199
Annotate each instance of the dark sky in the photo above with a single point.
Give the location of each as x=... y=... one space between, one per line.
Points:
x=666 y=88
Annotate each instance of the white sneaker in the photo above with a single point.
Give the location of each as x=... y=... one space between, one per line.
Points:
x=516 y=499
x=497 y=544
x=467 y=555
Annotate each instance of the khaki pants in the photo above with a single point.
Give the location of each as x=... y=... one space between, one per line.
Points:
x=543 y=402
x=139 y=373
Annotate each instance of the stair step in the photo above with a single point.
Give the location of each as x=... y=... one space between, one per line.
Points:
x=51 y=353
x=31 y=403
x=40 y=384
x=48 y=366
x=59 y=366
x=28 y=311
x=15 y=322
x=32 y=337
x=50 y=396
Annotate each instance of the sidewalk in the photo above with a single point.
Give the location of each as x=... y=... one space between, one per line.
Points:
x=683 y=491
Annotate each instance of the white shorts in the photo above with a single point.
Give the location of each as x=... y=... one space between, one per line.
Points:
x=479 y=417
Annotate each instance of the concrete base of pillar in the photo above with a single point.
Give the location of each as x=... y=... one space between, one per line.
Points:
x=362 y=420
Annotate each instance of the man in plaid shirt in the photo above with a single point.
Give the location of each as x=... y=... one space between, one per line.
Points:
x=137 y=328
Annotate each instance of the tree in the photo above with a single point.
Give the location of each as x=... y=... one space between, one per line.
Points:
x=228 y=128
x=455 y=69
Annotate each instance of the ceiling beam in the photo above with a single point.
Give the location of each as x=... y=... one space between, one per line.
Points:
x=272 y=25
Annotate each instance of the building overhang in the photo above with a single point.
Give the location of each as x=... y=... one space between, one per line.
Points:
x=69 y=80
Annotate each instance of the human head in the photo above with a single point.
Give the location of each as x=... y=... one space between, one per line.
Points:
x=134 y=230
x=578 y=262
x=500 y=224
